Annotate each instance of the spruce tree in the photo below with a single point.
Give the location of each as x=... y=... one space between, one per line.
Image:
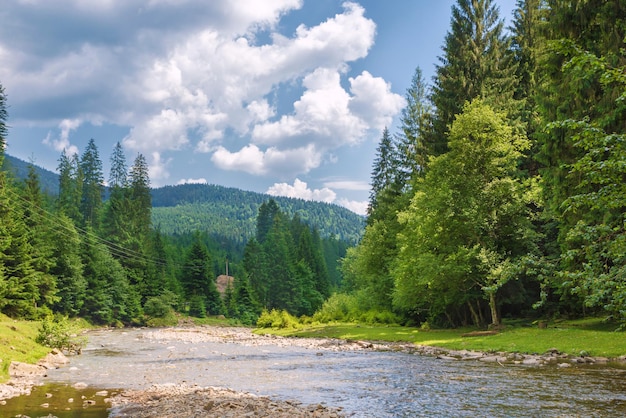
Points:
x=93 y=185
x=414 y=147
x=475 y=64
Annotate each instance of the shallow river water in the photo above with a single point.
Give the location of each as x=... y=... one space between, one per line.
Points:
x=364 y=383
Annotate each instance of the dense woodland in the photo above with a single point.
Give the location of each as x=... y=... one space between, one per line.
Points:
x=94 y=252
x=500 y=195
x=503 y=192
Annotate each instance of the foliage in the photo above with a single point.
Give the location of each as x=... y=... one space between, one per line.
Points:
x=280 y=319
x=467 y=225
x=159 y=310
x=58 y=332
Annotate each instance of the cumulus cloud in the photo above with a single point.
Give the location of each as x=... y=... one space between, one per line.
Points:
x=158 y=168
x=251 y=159
x=300 y=190
x=357 y=206
x=193 y=181
x=204 y=77
x=63 y=142
x=347 y=185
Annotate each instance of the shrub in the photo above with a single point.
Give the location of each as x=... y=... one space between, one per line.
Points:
x=277 y=319
x=57 y=332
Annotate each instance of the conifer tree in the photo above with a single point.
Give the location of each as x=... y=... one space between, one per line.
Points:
x=475 y=64
x=197 y=280
x=93 y=185
x=414 y=148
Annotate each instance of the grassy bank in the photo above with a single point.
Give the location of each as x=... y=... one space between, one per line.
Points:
x=591 y=336
x=17 y=343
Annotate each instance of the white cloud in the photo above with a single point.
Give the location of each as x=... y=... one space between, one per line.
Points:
x=300 y=190
x=251 y=159
x=373 y=100
x=193 y=181
x=63 y=142
x=186 y=76
x=157 y=169
x=358 y=207
x=347 y=185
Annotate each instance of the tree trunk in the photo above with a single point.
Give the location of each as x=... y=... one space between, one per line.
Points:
x=475 y=316
x=495 y=319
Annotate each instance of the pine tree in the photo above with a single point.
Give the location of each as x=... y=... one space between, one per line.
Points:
x=265 y=219
x=475 y=64
x=3 y=127
x=70 y=186
x=93 y=185
x=384 y=177
x=413 y=145
x=198 y=282
x=141 y=201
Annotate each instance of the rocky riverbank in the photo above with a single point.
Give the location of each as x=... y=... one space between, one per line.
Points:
x=176 y=401
x=191 y=398
x=245 y=336
x=24 y=376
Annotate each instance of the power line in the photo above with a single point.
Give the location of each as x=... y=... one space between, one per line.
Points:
x=115 y=249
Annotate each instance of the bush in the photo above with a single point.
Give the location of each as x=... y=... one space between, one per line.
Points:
x=57 y=332
x=342 y=307
x=277 y=319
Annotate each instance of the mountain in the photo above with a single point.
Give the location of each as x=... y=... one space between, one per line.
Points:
x=48 y=180
x=231 y=212
x=219 y=211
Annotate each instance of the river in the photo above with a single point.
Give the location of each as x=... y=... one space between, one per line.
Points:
x=365 y=383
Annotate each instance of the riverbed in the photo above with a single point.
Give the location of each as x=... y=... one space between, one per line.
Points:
x=361 y=380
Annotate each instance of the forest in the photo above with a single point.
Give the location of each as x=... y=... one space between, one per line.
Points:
x=501 y=194
x=94 y=252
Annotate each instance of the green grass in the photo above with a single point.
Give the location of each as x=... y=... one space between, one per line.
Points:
x=592 y=336
x=17 y=343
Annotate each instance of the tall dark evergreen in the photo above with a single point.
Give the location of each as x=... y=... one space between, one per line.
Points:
x=384 y=177
x=93 y=185
x=475 y=64
x=140 y=199
x=198 y=281
x=70 y=186
x=265 y=219
x=3 y=123
x=414 y=146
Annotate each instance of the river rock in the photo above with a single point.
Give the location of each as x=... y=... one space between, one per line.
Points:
x=19 y=369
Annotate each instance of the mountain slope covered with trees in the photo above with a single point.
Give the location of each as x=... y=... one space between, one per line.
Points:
x=231 y=213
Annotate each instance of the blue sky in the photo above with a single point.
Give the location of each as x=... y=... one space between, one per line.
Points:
x=287 y=97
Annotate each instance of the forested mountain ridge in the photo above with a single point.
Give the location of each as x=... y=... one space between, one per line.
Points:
x=19 y=169
x=232 y=212
x=219 y=211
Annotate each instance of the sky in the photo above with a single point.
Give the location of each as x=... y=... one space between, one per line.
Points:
x=285 y=97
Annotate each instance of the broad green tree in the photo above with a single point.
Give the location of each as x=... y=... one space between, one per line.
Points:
x=467 y=228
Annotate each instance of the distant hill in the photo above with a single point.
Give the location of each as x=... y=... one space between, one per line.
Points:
x=231 y=212
x=48 y=180
x=219 y=211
